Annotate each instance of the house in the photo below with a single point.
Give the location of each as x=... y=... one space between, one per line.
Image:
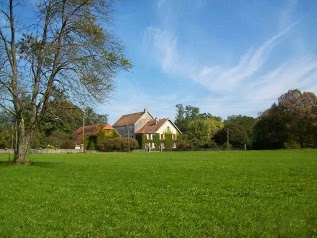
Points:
x=150 y=132
x=129 y=124
x=159 y=134
x=90 y=132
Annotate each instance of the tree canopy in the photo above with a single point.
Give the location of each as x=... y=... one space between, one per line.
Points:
x=68 y=48
x=291 y=123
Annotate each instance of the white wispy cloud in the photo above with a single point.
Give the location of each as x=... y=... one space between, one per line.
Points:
x=248 y=79
x=224 y=79
x=297 y=73
x=286 y=15
x=164 y=49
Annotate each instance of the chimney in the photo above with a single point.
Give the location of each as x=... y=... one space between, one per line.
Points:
x=145 y=110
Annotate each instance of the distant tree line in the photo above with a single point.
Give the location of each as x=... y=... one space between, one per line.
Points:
x=61 y=120
x=290 y=123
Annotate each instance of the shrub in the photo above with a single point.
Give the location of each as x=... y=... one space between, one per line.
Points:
x=103 y=137
x=133 y=143
x=141 y=140
x=101 y=147
x=184 y=144
x=67 y=144
x=118 y=144
x=92 y=141
x=225 y=146
x=291 y=145
x=50 y=146
x=213 y=144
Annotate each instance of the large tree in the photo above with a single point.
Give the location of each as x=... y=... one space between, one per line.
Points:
x=291 y=123
x=271 y=129
x=185 y=115
x=247 y=124
x=301 y=110
x=199 y=132
x=233 y=133
x=67 y=47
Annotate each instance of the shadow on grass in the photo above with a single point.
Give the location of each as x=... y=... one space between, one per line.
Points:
x=32 y=164
x=3 y=163
x=45 y=164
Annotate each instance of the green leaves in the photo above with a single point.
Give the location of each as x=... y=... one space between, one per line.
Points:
x=289 y=123
x=199 y=132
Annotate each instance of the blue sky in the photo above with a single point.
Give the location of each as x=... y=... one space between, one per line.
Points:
x=227 y=57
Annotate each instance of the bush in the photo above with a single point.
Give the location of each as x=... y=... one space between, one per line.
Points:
x=67 y=144
x=118 y=144
x=184 y=144
x=101 y=147
x=212 y=144
x=50 y=146
x=133 y=143
x=225 y=146
x=92 y=141
x=291 y=145
x=103 y=138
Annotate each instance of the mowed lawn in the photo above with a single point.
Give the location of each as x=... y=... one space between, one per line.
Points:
x=169 y=194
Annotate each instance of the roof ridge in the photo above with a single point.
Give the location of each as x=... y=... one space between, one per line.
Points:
x=129 y=119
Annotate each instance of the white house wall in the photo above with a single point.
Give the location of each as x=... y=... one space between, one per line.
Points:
x=165 y=126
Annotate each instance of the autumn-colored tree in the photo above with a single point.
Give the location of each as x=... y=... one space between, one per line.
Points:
x=301 y=110
x=291 y=123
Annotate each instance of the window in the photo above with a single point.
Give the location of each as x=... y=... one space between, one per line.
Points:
x=174 y=145
x=174 y=137
x=162 y=136
x=168 y=128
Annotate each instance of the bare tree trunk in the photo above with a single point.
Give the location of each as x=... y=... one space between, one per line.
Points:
x=21 y=150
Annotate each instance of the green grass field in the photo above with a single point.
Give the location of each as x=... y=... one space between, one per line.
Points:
x=170 y=194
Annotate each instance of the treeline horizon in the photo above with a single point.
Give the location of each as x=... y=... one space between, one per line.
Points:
x=291 y=123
